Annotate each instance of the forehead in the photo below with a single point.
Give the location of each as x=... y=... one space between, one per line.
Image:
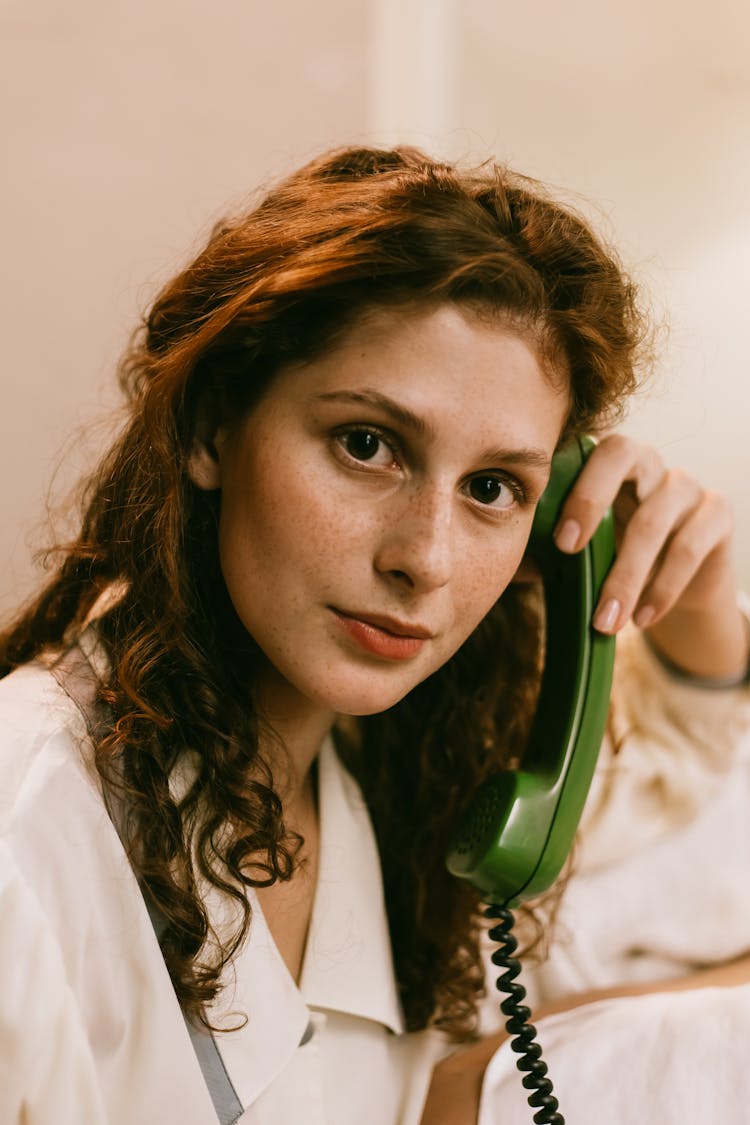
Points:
x=442 y=364
x=407 y=328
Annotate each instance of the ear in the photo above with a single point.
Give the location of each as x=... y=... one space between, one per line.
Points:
x=204 y=457
x=203 y=466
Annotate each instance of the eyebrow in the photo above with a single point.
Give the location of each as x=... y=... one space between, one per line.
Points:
x=418 y=425
x=389 y=406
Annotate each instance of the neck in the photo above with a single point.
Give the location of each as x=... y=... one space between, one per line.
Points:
x=295 y=730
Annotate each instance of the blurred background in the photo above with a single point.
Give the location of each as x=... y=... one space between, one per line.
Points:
x=131 y=127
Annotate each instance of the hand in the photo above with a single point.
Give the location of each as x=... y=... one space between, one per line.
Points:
x=673 y=573
x=456 y=1085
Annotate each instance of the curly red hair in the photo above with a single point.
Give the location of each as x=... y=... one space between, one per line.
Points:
x=355 y=228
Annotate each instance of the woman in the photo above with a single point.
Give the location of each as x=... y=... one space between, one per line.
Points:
x=291 y=562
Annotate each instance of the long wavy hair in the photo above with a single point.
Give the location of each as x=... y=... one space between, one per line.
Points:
x=282 y=282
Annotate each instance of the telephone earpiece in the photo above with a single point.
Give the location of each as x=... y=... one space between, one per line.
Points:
x=520 y=826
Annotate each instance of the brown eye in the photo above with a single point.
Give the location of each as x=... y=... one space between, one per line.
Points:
x=361 y=444
x=366 y=446
x=492 y=492
x=485 y=489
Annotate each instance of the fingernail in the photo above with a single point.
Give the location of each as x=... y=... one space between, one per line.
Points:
x=606 y=616
x=644 y=616
x=568 y=535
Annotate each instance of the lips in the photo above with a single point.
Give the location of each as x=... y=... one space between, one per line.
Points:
x=389 y=624
x=389 y=638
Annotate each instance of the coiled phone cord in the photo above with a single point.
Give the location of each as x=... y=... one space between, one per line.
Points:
x=517 y=1023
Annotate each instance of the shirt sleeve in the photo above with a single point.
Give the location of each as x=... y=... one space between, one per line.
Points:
x=47 y=1072
x=670 y=746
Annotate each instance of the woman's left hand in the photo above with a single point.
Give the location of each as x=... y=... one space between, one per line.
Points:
x=674 y=571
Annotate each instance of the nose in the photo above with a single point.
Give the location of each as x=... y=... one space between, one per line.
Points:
x=416 y=547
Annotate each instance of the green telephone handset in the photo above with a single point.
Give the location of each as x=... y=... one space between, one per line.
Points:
x=519 y=829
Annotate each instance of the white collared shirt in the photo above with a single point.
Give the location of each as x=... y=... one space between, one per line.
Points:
x=90 y=1029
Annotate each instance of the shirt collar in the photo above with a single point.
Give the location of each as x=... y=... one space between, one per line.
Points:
x=348 y=966
x=257 y=988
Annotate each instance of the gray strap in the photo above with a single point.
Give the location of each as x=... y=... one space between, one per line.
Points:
x=78 y=680
x=228 y=1106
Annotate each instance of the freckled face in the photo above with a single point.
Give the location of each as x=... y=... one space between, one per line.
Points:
x=378 y=500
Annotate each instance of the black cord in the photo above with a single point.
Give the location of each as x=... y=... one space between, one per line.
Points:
x=529 y=1062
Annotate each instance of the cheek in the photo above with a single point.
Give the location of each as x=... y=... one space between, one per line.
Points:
x=485 y=581
x=282 y=532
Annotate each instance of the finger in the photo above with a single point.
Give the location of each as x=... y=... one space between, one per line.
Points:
x=695 y=543
x=614 y=461
x=675 y=496
x=650 y=528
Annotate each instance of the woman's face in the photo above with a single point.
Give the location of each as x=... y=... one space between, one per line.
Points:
x=378 y=500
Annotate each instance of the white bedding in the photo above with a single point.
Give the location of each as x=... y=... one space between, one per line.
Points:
x=674 y=1058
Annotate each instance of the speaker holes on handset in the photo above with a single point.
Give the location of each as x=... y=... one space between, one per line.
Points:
x=479 y=820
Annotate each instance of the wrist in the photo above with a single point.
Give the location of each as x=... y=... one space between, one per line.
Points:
x=709 y=646
x=712 y=683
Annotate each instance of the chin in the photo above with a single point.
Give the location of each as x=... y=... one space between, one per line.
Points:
x=368 y=700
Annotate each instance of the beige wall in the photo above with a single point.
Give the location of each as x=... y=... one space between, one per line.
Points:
x=131 y=125
x=644 y=108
